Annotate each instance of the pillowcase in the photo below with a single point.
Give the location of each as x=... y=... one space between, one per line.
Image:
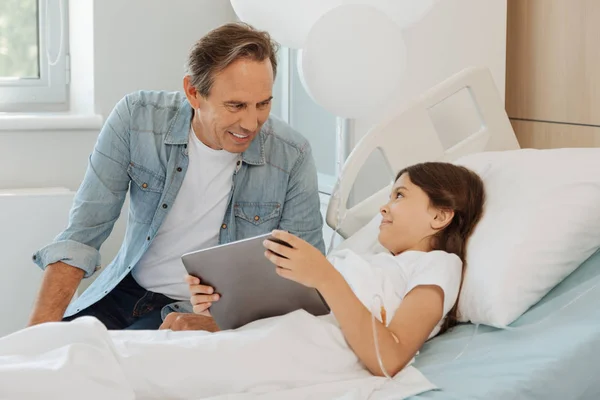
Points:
x=541 y=221
x=365 y=240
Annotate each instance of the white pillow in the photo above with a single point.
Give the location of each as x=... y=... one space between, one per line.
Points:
x=541 y=221
x=365 y=240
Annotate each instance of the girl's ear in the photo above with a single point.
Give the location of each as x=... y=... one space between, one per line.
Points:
x=442 y=219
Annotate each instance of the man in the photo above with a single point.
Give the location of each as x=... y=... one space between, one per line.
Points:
x=205 y=167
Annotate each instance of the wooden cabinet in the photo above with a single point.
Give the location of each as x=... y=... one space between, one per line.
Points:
x=553 y=72
x=542 y=135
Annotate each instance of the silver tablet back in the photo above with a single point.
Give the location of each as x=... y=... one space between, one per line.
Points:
x=250 y=288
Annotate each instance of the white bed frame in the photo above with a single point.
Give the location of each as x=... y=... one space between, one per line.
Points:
x=414 y=126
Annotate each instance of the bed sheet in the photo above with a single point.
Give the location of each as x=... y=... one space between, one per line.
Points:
x=553 y=352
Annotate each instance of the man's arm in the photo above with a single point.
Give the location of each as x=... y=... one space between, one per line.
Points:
x=301 y=214
x=58 y=287
x=97 y=205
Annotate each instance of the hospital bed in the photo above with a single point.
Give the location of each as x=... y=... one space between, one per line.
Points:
x=553 y=353
x=553 y=350
x=550 y=352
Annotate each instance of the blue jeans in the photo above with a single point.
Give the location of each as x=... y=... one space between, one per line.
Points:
x=127 y=306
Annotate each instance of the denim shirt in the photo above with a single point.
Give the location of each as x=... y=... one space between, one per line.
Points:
x=142 y=149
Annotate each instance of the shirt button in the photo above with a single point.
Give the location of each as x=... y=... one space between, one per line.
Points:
x=256 y=217
x=224 y=226
x=148 y=238
x=185 y=146
x=34 y=257
x=165 y=205
x=179 y=169
x=238 y=163
x=144 y=185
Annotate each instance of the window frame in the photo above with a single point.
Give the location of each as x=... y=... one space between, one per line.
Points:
x=50 y=91
x=344 y=126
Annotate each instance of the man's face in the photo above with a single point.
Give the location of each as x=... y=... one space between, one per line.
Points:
x=237 y=106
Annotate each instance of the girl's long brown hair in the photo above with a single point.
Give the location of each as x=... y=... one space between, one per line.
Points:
x=455 y=188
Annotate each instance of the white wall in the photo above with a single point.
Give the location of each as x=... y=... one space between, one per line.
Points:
x=143 y=44
x=137 y=44
x=455 y=35
x=127 y=45
x=21 y=216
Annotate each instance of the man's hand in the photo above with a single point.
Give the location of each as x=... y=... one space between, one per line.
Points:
x=189 y=322
x=202 y=296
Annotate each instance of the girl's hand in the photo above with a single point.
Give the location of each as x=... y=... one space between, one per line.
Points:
x=302 y=262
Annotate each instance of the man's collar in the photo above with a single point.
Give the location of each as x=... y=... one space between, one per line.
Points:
x=180 y=127
x=255 y=154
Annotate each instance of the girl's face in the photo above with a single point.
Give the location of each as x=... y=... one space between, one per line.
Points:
x=409 y=221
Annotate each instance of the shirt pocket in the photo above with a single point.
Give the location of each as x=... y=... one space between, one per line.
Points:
x=146 y=191
x=253 y=219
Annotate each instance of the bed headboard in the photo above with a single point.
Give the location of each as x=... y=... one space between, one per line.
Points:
x=410 y=137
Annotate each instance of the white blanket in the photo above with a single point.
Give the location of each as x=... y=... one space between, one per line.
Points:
x=296 y=356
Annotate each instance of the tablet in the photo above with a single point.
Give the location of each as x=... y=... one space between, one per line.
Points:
x=248 y=284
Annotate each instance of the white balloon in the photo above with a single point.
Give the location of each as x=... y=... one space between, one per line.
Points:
x=288 y=21
x=404 y=12
x=353 y=60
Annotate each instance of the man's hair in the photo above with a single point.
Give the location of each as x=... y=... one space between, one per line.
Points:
x=224 y=45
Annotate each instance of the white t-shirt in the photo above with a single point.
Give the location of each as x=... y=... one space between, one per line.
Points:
x=393 y=277
x=193 y=222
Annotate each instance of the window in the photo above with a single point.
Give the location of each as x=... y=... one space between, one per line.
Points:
x=324 y=131
x=33 y=55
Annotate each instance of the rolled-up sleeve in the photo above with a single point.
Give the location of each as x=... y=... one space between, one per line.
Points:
x=98 y=201
x=79 y=255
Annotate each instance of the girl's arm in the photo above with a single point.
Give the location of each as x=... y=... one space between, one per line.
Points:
x=418 y=314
